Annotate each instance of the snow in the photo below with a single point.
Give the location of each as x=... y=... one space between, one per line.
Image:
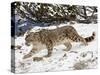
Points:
x=85 y=56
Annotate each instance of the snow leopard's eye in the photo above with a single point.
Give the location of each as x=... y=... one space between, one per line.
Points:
x=27 y=37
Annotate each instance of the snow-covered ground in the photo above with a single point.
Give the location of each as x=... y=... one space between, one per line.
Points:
x=79 y=57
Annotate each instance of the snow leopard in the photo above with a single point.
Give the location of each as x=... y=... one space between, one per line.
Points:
x=47 y=39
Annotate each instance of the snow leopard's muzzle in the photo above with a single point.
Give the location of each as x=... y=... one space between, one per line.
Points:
x=28 y=40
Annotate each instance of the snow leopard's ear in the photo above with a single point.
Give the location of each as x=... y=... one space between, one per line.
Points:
x=27 y=32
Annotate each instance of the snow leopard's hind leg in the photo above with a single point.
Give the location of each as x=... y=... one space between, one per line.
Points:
x=68 y=46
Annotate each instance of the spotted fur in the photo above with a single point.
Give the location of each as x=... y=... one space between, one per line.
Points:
x=50 y=38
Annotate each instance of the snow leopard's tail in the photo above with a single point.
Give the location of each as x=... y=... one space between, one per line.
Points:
x=90 y=38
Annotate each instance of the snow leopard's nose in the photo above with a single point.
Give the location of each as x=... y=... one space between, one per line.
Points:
x=27 y=44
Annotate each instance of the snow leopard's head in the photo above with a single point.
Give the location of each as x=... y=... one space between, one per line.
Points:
x=29 y=39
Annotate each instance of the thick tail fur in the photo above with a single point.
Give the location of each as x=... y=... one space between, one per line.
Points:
x=90 y=38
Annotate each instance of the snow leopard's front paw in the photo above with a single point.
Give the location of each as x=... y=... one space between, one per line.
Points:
x=27 y=56
x=37 y=58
